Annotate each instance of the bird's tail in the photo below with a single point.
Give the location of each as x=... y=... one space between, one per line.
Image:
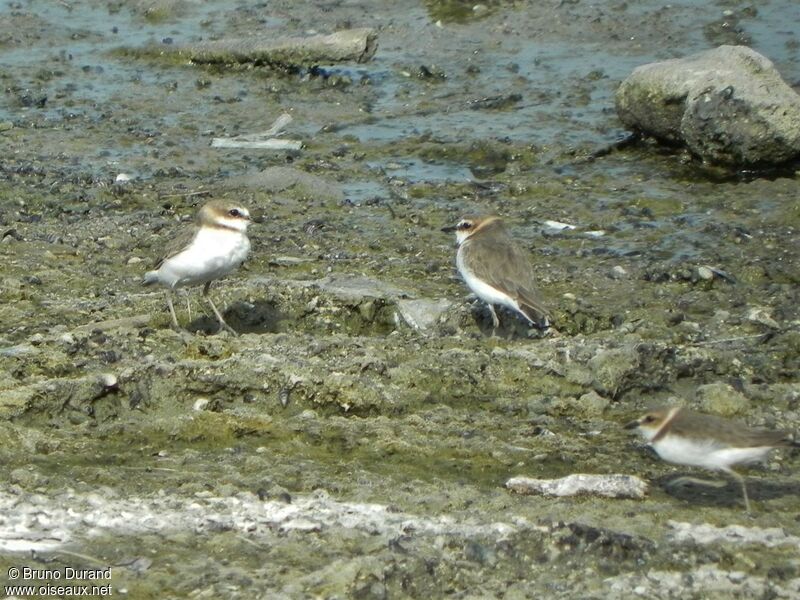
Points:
x=150 y=278
x=536 y=314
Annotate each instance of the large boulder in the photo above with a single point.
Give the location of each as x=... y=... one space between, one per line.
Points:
x=729 y=105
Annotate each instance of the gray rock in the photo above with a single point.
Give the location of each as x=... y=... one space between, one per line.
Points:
x=721 y=399
x=354 y=288
x=423 y=313
x=610 y=368
x=593 y=404
x=728 y=105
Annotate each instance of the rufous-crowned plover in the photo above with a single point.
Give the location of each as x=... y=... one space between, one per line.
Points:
x=497 y=269
x=212 y=249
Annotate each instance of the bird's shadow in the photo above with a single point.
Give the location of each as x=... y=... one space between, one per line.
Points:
x=728 y=495
x=511 y=326
x=261 y=316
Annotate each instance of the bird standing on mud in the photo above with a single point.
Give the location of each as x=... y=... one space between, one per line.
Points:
x=209 y=251
x=681 y=436
x=496 y=269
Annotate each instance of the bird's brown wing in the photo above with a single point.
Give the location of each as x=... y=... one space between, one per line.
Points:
x=501 y=263
x=175 y=245
x=692 y=424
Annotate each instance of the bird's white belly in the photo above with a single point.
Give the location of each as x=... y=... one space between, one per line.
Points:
x=707 y=455
x=483 y=290
x=212 y=254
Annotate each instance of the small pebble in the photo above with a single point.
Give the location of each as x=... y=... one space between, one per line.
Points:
x=705 y=273
x=201 y=404
x=618 y=272
x=108 y=381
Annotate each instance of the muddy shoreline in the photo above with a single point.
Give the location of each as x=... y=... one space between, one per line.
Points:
x=356 y=439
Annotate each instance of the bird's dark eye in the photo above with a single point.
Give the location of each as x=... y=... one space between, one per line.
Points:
x=464 y=225
x=648 y=419
x=234 y=212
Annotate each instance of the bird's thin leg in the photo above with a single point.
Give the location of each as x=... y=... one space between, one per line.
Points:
x=172 y=310
x=495 y=320
x=740 y=479
x=222 y=322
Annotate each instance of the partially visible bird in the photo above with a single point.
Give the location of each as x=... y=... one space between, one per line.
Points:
x=496 y=269
x=212 y=249
x=684 y=437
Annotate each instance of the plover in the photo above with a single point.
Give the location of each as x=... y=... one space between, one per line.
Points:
x=684 y=437
x=496 y=269
x=216 y=246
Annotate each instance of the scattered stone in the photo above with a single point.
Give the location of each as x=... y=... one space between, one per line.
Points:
x=728 y=105
x=618 y=272
x=26 y=477
x=423 y=313
x=708 y=273
x=611 y=367
x=721 y=399
x=705 y=273
x=355 y=288
x=609 y=486
x=593 y=404
x=761 y=316
x=201 y=404
x=108 y=381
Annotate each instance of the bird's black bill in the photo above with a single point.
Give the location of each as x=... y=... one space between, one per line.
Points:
x=449 y=228
x=631 y=425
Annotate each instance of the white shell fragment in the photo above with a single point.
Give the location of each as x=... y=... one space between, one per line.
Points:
x=610 y=486
x=558 y=225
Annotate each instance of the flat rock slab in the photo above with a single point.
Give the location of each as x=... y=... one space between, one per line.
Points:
x=423 y=313
x=349 y=45
x=610 y=486
x=728 y=105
